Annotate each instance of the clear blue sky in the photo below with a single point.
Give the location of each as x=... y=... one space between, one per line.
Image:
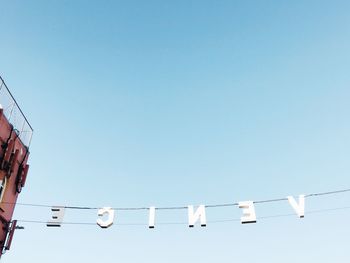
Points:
x=138 y=103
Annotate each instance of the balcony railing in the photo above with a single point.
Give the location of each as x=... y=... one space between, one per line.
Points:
x=14 y=115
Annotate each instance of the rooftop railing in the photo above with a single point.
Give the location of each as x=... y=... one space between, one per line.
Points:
x=14 y=114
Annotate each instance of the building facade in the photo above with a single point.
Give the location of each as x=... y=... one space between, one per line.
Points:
x=14 y=153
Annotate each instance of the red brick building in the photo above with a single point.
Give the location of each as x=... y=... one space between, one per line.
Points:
x=15 y=137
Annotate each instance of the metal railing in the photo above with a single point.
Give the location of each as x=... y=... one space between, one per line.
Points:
x=14 y=114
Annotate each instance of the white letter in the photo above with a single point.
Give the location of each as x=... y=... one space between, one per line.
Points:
x=193 y=217
x=248 y=212
x=152 y=215
x=109 y=221
x=57 y=216
x=298 y=208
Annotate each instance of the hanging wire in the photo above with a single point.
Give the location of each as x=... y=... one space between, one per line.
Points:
x=180 y=207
